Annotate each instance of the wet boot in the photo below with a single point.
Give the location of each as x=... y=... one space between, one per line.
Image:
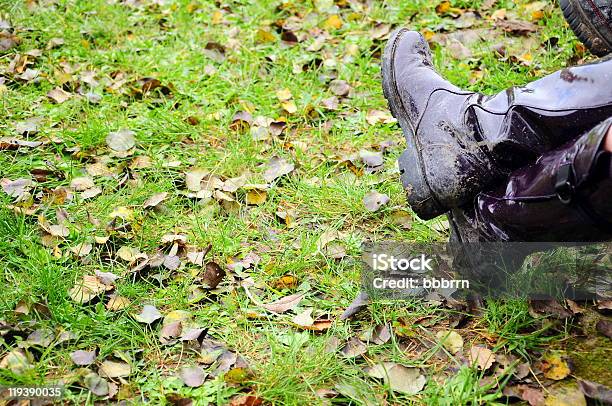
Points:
x=565 y=196
x=458 y=142
x=591 y=21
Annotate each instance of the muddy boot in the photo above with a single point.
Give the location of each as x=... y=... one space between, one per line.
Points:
x=458 y=142
x=591 y=21
x=565 y=196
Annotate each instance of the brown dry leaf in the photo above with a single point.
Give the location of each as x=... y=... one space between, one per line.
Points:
x=604 y=327
x=354 y=348
x=554 y=367
x=359 y=303
x=81 y=357
x=82 y=249
x=241 y=121
x=372 y=159
x=548 y=307
x=129 y=254
x=284 y=304
x=16 y=188
x=155 y=200
x=339 y=87
x=286 y=282
x=192 y=376
x=213 y=275
x=8 y=41
x=373 y=200
x=596 y=391
x=114 y=369
x=87 y=288
x=116 y=303
x=482 y=357
x=82 y=183
x=58 y=95
x=277 y=167
x=516 y=27
x=374 y=117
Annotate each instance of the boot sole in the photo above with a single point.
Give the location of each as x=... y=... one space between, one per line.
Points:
x=584 y=30
x=412 y=169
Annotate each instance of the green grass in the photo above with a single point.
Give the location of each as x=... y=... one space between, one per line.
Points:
x=166 y=42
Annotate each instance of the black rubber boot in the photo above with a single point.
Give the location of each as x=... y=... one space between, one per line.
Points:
x=591 y=21
x=459 y=143
x=565 y=196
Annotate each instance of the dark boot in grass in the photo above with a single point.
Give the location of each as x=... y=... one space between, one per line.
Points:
x=591 y=21
x=459 y=142
x=562 y=197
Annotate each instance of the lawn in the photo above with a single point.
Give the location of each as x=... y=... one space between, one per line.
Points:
x=183 y=206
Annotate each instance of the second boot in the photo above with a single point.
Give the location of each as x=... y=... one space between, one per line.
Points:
x=459 y=142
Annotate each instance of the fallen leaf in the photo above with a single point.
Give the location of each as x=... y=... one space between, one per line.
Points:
x=451 y=340
x=116 y=303
x=283 y=94
x=374 y=117
x=304 y=318
x=16 y=188
x=371 y=158
x=213 y=275
x=374 y=200
x=339 y=87
x=284 y=304
x=554 y=367
x=8 y=41
x=81 y=357
x=596 y=391
x=17 y=361
x=482 y=357
x=58 y=95
x=148 y=315
x=155 y=200
x=82 y=183
x=358 y=304
x=96 y=384
x=114 y=369
x=354 y=348
x=121 y=141
x=86 y=289
x=565 y=394
x=277 y=167
x=604 y=327
x=516 y=27
x=333 y=22
x=400 y=379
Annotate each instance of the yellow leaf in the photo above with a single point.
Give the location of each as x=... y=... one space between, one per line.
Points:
x=289 y=106
x=284 y=94
x=264 y=36
x=443 y=7
x=554 y=367
x=256 y=197
x=537 y=15
x=217 y=17
x=333 y=22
